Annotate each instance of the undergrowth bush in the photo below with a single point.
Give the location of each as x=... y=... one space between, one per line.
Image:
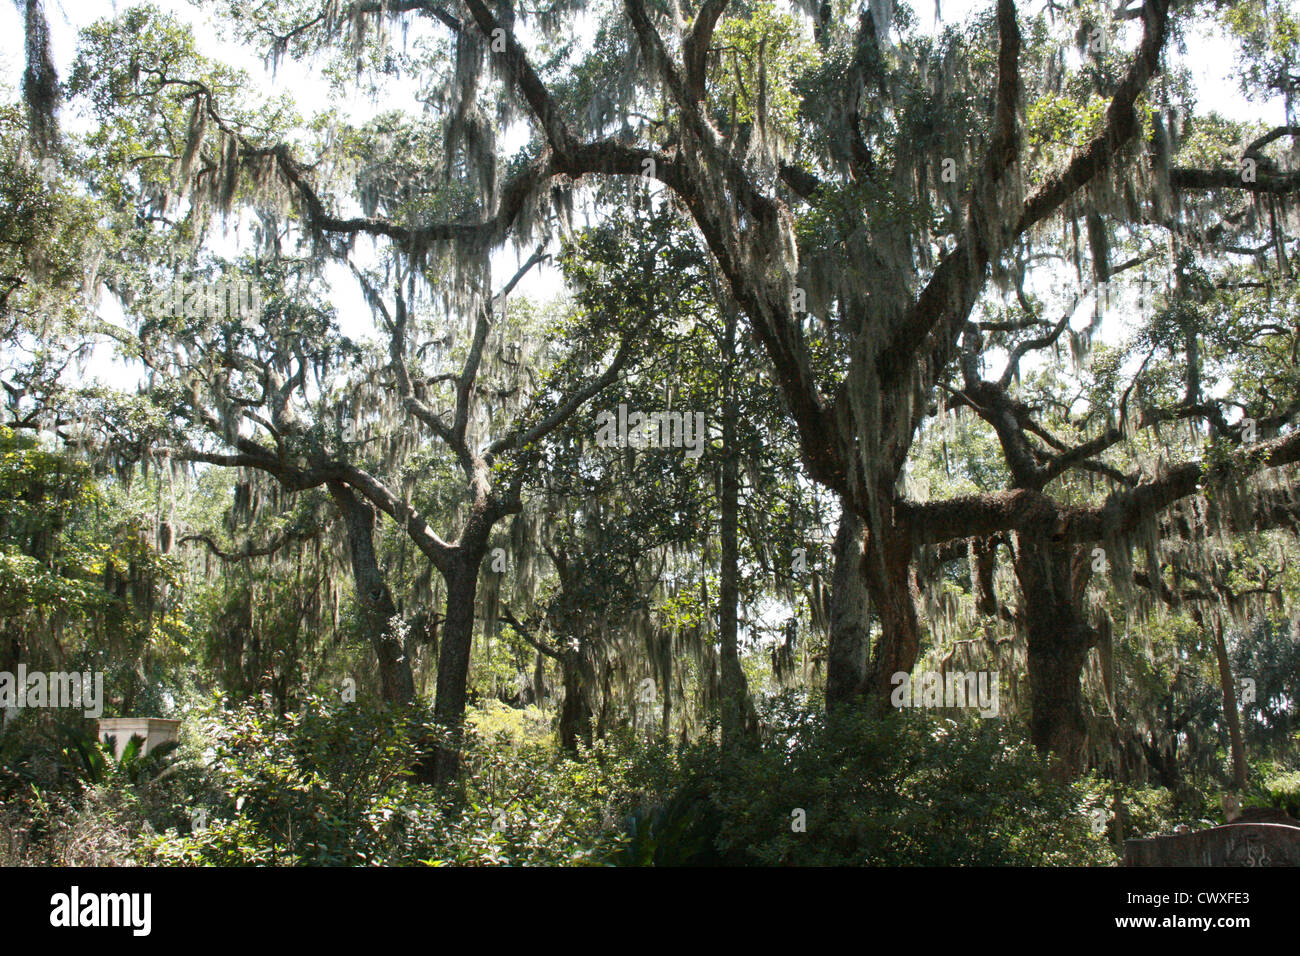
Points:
x=910 y=789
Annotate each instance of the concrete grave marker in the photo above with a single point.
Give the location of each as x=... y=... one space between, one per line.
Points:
x=1257 y=837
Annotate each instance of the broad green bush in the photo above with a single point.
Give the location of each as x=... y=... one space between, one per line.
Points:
x=311 y=787
x=332 y=785
x=855 y=790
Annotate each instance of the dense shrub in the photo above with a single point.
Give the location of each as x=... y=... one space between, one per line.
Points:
x=333 y=785
x=854 y=790
x=1283 y=791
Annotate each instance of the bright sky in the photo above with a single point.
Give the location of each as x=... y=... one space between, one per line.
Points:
x=1210 y=56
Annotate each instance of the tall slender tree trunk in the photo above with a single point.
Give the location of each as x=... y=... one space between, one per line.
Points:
x=1228 y=683
x=665 y=697
x=11 y=652
x=374 y=599
x=737 y=716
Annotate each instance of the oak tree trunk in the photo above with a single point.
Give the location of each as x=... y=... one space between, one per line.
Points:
x=374 y=600
x=576 y=713
x=453 y=664
x=1230 y=712
x=891 y=585
x=1059 y=637
x=850 y=637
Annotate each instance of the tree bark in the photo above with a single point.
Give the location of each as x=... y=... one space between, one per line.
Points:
x=453 y=664
x=1059 y=637
x=737 y=718
x=850 y=637
x=1228 y=683
x=576 y=713
x=983 y=562
x=887 y=565
x=375 y=601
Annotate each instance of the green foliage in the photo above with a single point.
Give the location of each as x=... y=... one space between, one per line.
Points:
x=314 y=786
x=333 y=786
x=682 y=831
x=1154 y=811
x=758 y=57
x=81 y=583
x=908 y=790
x=1270 y=42
x=1284 y=792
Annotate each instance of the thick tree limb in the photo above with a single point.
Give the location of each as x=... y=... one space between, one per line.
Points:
x=1033 y=512
x=1120 y=127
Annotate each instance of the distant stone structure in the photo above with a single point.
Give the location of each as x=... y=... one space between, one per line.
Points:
x=154 y=731
x=1258 y=836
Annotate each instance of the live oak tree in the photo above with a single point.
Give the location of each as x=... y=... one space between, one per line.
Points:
x=281 y=391
x=358 y=447
x=1199 y=337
